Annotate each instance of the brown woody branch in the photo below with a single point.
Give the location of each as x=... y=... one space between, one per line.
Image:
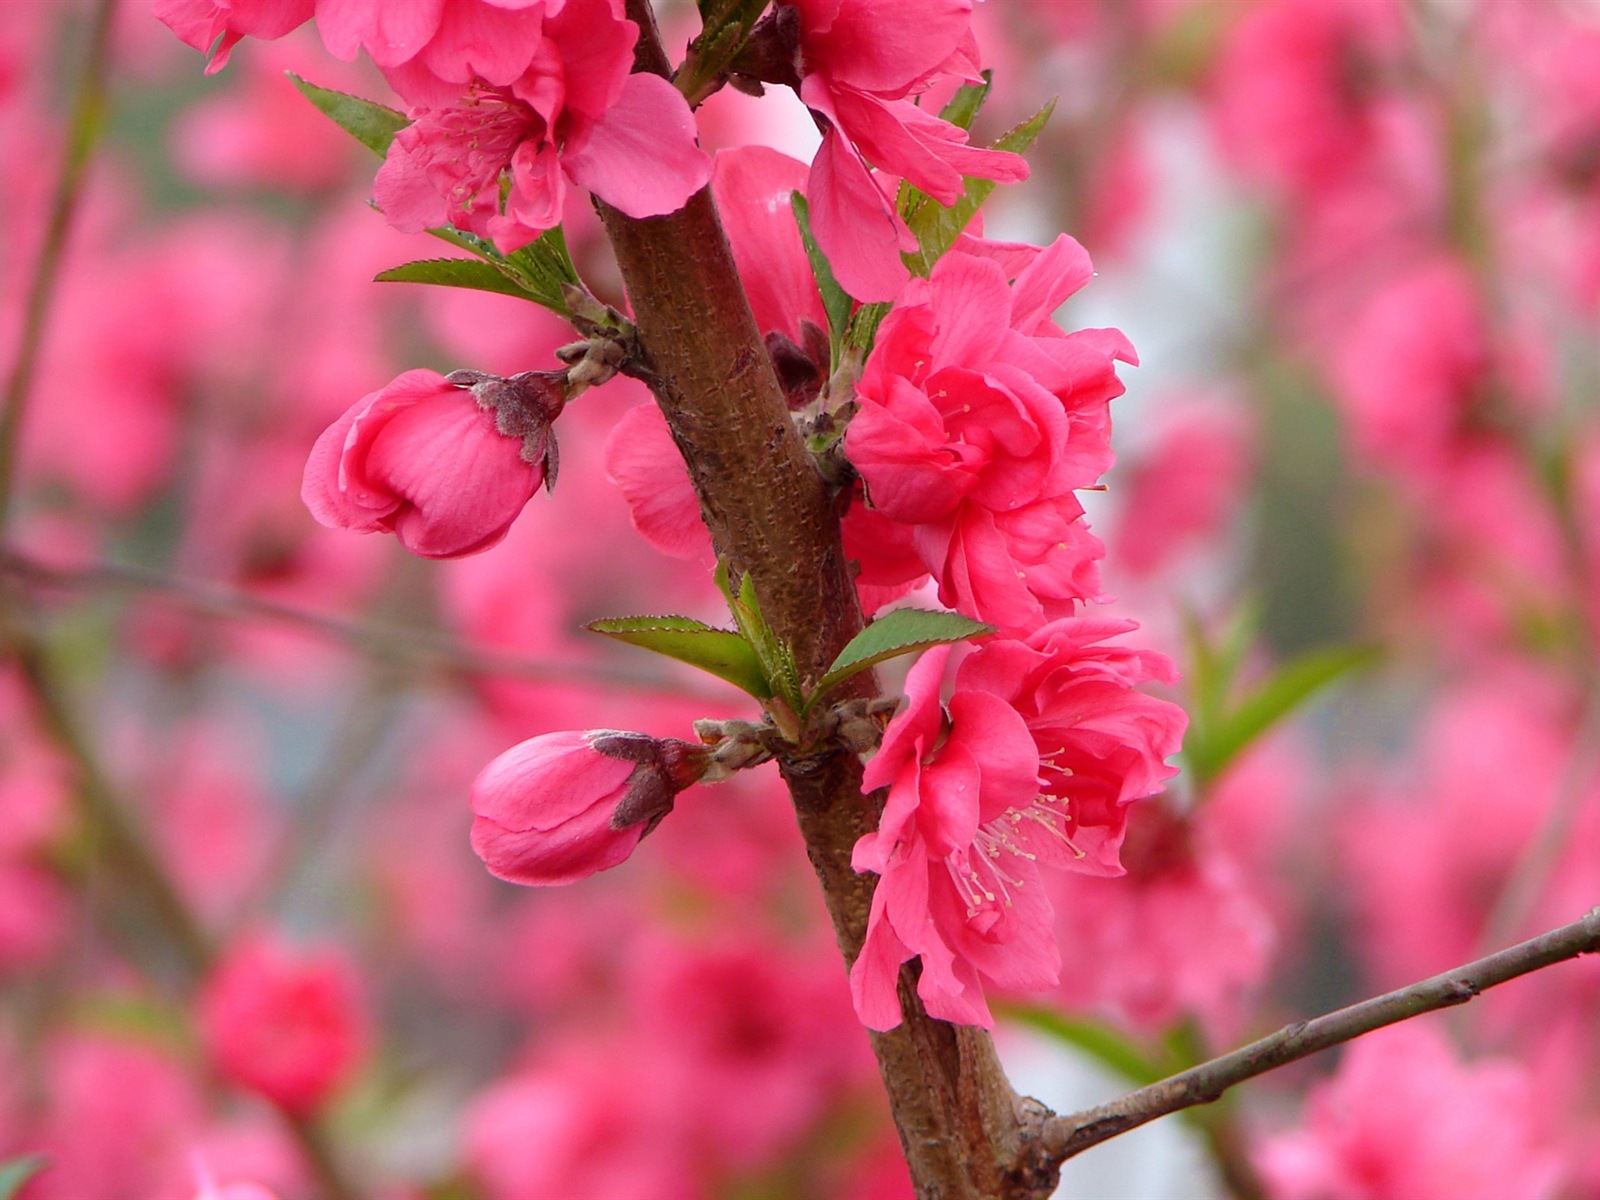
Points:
x=773 y=518
x=1067 y=1136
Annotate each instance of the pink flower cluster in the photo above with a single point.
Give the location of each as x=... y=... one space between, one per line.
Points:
x=978 y=419
x=858 y=64
x=535 y=93
x=1032 y=764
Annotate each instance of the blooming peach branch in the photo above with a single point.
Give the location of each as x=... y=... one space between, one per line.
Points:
x=1064 y=1137
x=772 y=518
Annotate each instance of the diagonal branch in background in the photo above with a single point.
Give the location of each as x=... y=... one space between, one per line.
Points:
x=399 y=644
x=1066 y=1136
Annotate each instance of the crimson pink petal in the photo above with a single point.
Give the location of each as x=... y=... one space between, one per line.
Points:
x=643 y=461
x=752 y=186
x=856 y=225
x=641 y=157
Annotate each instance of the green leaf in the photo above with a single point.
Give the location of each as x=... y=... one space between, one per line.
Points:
x=937 y=227
x=835 y=301
x=538 y=270
x=15 y=1172
x=1295 y=682
x=968 y=101
x=863 y=328
x=901 y=631
x=471 y=273
x=373 y=125
x=1214 y=666
x=1100 y=1042
x=719 y=652
x=777 y=660
x=546 y=265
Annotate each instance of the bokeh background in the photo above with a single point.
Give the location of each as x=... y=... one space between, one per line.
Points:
x=1357 y=244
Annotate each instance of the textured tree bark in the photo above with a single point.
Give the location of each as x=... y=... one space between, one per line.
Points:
x=965 y=1132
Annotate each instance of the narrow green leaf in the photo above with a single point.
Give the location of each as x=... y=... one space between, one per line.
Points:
x=538 y=270
x=1214 y=665
x=1100 y=1042
x=1288 y=688
x=469 y=273
x=719 y=652
x=777 y=661
x=895 y=633
x=15 y=1172
x=937 y=227
x=836 y=301
x=968 y=101
x=863 y=329
x=373 y=125
x=547 y=262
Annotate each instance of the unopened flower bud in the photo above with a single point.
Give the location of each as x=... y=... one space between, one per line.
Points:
x=560 y=807
x=444 y=464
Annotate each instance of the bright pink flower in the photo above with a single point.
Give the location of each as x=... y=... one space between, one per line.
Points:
x=285 y=1023
x=561 y=806
x=956 y=784
x=978 y=417
x=1044 y=745
x=1102 y=743
x=444 y=466
x=205 y=24
x=857 y=64
x=561 y=106
x=1363 y=1141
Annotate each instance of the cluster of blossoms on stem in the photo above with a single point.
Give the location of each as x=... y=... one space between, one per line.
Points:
x=973 y=423
x=978 y=420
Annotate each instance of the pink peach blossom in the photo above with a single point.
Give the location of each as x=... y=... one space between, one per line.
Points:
x=954 y=783
x=857 y=64
x=205 y=24
x=561 y=806
x=555 y=101
x=1044 y=744
x=978 y=418
x=432 y=462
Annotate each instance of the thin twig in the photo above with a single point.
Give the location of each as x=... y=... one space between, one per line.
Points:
x=402 y=645
x=83 y=129
x=1065 y=1136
